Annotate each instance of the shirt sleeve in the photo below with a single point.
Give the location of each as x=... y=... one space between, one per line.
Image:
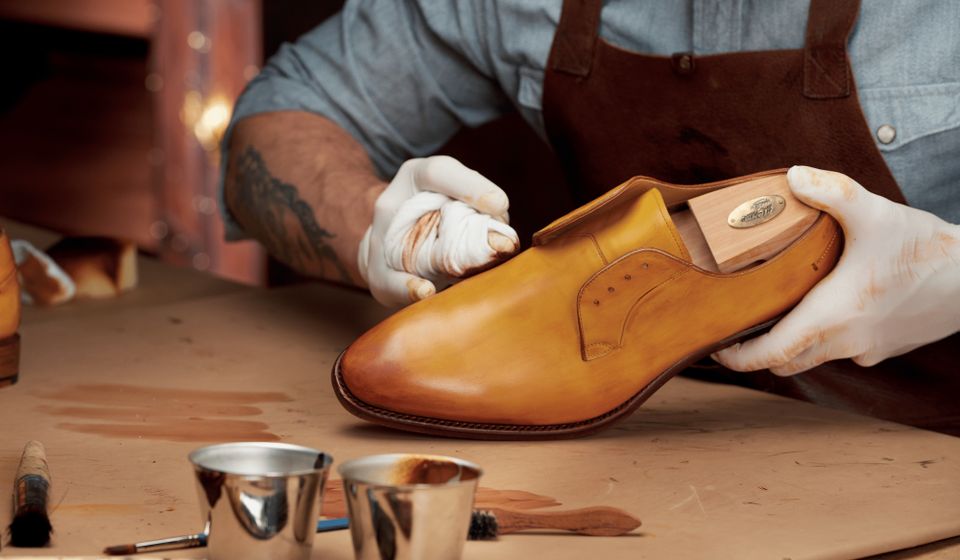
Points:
x=400 y=77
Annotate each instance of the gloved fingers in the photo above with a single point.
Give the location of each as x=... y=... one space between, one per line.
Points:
x=834 y=193
x=503 y=218
x=397 y=288
x=363 y=255
x=877 y=354
x=868 y=359
x=500 y=243
x=836 y=343
x=790 y=337
x=446 y=175
x=808 y=359
x=502 y=238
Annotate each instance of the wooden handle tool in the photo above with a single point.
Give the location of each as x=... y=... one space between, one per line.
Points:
x=31 y=525
x=600 y=521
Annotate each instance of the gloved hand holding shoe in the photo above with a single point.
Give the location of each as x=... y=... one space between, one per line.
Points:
x=895 y=288
x=435 y=222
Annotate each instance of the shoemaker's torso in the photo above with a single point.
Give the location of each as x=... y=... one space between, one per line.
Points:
x=476 y=60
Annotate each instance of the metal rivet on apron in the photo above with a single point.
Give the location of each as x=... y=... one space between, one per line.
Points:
x=886 y=134
x=682 y=63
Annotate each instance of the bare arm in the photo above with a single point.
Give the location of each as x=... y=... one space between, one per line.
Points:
x=305 y=189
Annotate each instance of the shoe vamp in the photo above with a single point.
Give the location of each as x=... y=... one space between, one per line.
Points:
x=502 y=347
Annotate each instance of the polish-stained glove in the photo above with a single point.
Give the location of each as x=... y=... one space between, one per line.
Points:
x=436 y=221
x=895 y=288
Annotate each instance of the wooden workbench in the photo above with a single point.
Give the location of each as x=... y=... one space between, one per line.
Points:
x=121 y=396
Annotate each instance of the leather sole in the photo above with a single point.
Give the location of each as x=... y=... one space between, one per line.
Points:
x=478 y=430
x=9 y=360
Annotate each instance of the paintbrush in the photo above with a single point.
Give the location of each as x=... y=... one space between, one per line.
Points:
x=31 y=524
x=199 y=540
x=485 y=524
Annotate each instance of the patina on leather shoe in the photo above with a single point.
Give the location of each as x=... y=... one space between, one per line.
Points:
x=576 y=332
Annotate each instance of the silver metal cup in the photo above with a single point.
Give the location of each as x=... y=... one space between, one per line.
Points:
x=260 y=500
x=409 y=507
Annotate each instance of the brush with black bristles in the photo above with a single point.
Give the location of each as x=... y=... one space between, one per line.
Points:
x=599 y=521
x=31 y=487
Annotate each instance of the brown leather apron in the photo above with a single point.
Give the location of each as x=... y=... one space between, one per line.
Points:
x=611 y=114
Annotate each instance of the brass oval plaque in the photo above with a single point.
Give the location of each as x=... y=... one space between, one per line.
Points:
x=756 y=211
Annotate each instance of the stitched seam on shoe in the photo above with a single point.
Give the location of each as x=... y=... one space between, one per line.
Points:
x=604 y=347
x=560 y=228
x=626 y=318
x=596 y=245
x=11 y=274
x=836 y=234
x=602 y=273
x=676 y=242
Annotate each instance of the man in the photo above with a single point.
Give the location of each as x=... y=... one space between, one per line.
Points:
x=687 y=92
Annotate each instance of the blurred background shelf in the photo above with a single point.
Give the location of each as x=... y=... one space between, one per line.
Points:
x=111 y=112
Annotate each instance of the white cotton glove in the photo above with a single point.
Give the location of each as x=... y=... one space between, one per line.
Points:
x=895 y=288
x=436 y=221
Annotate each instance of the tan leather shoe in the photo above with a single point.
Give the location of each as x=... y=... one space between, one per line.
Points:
x=9 y=314
x=576 y=332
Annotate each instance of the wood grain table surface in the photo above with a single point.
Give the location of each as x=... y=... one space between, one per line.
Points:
x=120 y=395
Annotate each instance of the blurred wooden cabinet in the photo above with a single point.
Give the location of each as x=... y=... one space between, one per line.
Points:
x=203 y=53
x=111 y=120
x=111 y=111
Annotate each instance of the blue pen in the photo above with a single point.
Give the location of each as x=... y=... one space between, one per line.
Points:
x=335 y=524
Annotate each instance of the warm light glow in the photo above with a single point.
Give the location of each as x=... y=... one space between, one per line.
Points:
x=212 y=124
x=207 y=118
x=198 y=41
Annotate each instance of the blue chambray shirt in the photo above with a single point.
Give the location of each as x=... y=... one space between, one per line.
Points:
x=403 y=76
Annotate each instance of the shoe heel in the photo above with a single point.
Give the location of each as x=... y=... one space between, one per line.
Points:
x=9 y=360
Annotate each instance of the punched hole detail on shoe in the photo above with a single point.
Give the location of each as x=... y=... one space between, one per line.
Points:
x=702 y=224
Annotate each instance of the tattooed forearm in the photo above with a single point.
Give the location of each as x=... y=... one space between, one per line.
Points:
x=271 y=200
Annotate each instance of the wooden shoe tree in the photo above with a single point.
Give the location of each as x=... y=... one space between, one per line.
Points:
x=740 y=226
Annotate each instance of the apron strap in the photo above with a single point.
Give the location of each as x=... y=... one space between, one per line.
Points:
x=826 y=69
x=576 y=36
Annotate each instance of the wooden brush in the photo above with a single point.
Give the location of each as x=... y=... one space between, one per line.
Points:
x=598 y=521
x=31 y=524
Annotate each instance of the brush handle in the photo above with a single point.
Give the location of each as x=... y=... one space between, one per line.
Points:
x=200 y=540
x=598 y=521
x=32 y=483
x=172 y=543
x=335 y=524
